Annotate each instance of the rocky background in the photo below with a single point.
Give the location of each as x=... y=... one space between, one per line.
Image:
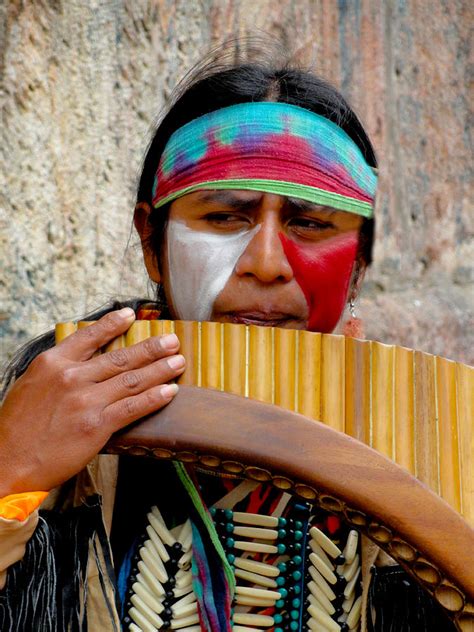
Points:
x=83 y=80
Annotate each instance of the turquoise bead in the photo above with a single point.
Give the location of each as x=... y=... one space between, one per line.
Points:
x=281 y=567
x=282 y=533
x=231 y=558
x=277 y=618
x=297 y=589
x=229 y=514
x=280 y=604
x=280 y=581
x=283 y=592
x=281 y=548
x=298 y=524
x=294 y=614
x=297 y=560
x=213 y=511
x=296 y=576
x=278 y=629
x=230 y=543
x=298 y=535
x=296 y=603
x=294 y=625
x=297 y=546
x=282 y=522
x=229 y=527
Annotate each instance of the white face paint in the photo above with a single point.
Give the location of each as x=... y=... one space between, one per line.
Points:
x=200 y=264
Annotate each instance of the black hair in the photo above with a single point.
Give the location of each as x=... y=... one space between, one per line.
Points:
x=216 y=83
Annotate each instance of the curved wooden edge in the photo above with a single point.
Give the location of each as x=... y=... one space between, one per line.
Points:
x=318 y=463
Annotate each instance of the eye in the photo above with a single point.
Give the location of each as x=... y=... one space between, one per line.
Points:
x=309 y=225
x=223 y=219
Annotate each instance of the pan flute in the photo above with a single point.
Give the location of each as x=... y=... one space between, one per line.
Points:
x=413 y=408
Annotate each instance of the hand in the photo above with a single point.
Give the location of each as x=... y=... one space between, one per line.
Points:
x=64 y=408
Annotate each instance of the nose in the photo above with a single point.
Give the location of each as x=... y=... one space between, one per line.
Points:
x=264 y=257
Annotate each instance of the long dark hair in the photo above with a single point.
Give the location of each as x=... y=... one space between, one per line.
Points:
x=214 y=83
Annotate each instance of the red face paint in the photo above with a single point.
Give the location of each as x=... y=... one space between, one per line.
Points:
x=323 y=270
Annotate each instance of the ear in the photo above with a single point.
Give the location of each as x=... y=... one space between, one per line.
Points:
x=144 y=229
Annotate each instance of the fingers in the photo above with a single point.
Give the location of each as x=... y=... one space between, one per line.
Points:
x=119 y=361
x=123 y=412
x=137 y=381
x=82 y=344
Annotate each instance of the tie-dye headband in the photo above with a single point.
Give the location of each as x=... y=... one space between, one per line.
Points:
x=270 y=147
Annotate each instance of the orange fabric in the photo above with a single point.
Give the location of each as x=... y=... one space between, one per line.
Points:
x=20 y=506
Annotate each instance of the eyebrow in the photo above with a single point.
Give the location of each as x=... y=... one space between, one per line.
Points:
x=230 y=200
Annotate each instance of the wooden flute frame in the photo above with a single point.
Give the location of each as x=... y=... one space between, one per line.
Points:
x=407 y=406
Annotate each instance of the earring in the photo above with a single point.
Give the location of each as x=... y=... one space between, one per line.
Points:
x=353 y=327
x=352 y=308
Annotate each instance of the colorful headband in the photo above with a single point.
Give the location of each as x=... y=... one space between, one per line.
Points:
x=271 y=147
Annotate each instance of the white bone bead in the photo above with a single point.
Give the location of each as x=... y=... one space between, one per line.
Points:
x=255 y=532
x=321 y=554
x=255 y=519
x=158 y=544
x=186 y=535
x=349 y=589
x=193 y=628
x=185 y=560
x=354 y=614
x=256 y=567
x=184 y=580
x=321 y=598
x=177 y=624
x=251 y=601
x=146 y=577
x=184 y=611
x=322 y=568
x=347 y=603
x=151 y=560
x=351 y=569
x=151 y=600
x=244 y=628
x=322 y=583
x=323 y=619
x=245 y=618
x=255 y=547
x=133 y=627
x=189 y=598
x=257 y=592
x=141 y=621
x=146 y=611
x=351 y=546
x=324 y=542
x=260 y=580
x=180 y=592
x=160 y=527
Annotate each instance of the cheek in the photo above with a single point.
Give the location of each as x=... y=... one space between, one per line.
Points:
x=323 y=272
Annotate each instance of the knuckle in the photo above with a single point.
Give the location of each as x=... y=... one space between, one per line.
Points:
x=68 y=377
x=44 y=362
x=89 y=424
x=131 y=380
x=130 y=407
x=150 y=348
x=118 y=358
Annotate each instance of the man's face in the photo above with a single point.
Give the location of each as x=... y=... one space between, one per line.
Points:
x=258 y=258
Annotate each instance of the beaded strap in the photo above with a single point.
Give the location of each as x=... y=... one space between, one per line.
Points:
x=289 y=574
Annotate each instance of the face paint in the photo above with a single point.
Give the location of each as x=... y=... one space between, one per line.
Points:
x=323 y=271
x=200 y=264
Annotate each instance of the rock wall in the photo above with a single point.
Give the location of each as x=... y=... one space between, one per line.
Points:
x=83 y=81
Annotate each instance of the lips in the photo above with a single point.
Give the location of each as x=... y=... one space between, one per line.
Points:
x=262 y=318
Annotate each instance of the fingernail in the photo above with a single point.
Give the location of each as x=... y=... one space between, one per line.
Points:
x=176 y=362
x=126 y=313
x=169 y=390
x=170 y=341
